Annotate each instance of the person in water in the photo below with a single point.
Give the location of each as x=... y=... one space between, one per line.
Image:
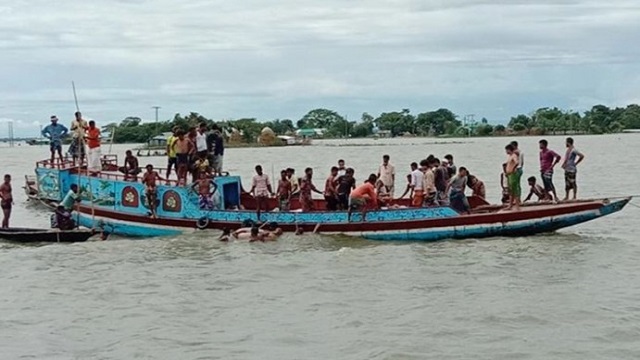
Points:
x=261 y=189
x=537 y=190
x=362 y=196
x=55 y=132
x=6 y=200
x=206 y=187
x=131 y=168
x=72 y=198
x=151 y=188
x=572 y=158
x=548 y=160
x=513 y=180
x=283 y=192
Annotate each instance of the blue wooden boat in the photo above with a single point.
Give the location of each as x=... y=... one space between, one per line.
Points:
x=119 y=207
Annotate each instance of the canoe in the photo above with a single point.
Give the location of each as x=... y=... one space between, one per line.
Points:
x=27 y=235
x=119 y=207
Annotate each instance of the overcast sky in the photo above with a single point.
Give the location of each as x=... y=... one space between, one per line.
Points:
x=279 y=59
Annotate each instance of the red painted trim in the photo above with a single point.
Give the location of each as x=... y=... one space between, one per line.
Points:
x=529 y=213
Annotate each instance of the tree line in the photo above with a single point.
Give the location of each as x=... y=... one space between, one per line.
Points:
x=442 y=122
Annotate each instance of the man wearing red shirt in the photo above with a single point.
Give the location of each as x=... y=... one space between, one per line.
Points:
x=363 y=195
x=93 y=143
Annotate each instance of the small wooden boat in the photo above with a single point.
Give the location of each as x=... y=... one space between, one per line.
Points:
x=26 y=235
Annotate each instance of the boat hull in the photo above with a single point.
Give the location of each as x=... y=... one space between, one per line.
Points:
x=529 y=221
x=23 y=235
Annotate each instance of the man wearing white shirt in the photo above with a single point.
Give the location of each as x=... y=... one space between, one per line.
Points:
x=417 y=184
x=201 y=141
x=387 y=174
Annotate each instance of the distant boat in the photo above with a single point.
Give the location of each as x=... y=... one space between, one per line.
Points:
x=27 y=235
x=39 y=141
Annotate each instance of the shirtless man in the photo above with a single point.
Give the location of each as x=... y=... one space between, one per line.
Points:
x=513 y=179
x=183 y=147
x=330 y=190
x=151 y=189
x=131 y=167
x=204 y=185
x=284 y=191
x=6 y=201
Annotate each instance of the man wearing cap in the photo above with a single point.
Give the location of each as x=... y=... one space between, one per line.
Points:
x=55 y=132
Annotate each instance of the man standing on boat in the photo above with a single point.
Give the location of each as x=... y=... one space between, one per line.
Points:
x=55 y=132
x=215 y=146
x=6 y=200
x=78 y=128
x=548 y=160
x=417 y=183
x=306 y=187
x=387 y=174
x=201 y=141
x=513 y=180
x=93 y=142
x=261 y=189
x=572 y=158
x=171 y=152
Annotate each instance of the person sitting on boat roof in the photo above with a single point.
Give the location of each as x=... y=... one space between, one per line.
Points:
x=455 y=188
x=537 y=190
x=151 y=190
x=363 y=196
x=55 y=132
x=72 y=198
x=205 y=194
x=63 y=219
x=131 y=167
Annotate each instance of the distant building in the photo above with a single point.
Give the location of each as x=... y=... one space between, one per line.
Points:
x=313 y=133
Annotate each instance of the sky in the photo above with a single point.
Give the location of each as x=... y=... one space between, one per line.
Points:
x=279 y=59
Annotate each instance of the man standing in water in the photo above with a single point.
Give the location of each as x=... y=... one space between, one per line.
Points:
x=572 y=158
x=513 y=180
x=6 y=200
x=78 y=127
x=387 y=174
x=93 y=142
x=55 y=132
x=548 y=160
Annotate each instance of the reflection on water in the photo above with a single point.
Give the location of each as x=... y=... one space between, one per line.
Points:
x=336 y=297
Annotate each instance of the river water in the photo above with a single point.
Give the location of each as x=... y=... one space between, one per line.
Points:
x=569 y=295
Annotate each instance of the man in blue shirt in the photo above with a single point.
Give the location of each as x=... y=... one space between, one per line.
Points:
x=55 y=132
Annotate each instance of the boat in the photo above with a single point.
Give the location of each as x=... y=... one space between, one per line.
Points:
x=27 y=235
x=116 y=206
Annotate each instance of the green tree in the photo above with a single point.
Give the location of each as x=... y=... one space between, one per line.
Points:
x=435 y=122
x=398 y=122
x=525 y=121
x=320 y=119
x=630 y=119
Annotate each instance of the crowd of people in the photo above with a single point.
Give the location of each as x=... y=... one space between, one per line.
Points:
x=431 y=182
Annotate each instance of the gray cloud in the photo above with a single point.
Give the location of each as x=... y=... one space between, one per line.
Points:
x=279 y=59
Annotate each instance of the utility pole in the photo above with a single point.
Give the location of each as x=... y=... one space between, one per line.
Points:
x=156 y=108
x=10 y=124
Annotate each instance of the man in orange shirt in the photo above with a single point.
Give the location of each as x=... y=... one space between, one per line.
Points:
x=363 y=195
x=93 y=142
